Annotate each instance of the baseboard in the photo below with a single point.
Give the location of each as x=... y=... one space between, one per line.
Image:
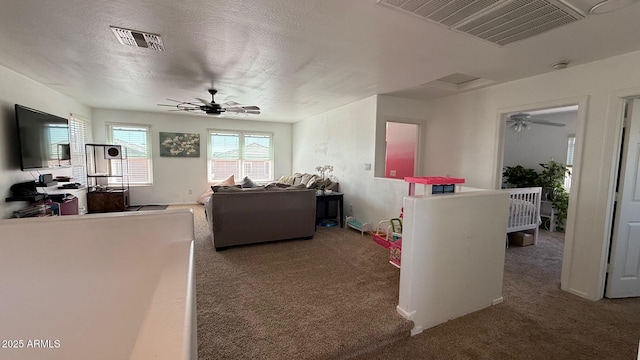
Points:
x=497 y=301
x=405 y=314
x=416 y=330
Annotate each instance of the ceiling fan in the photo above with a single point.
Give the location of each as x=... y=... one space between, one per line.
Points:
x=523 y=121
x=213 y=108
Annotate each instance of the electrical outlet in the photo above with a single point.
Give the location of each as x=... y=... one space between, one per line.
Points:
x=367 y=166
x=351 y=208
x=190 y=191
x=392 y=173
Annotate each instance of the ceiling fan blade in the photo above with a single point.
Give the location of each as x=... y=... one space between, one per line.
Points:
x=547 y=122
x=255 y=112
x=231 y=104
x=167 y=105
x=178 y=101
x=251 y=107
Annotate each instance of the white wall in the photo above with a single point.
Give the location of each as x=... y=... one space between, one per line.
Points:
x=390 y=108
x=346 y=138
x=174 y=177
x=17 y=89
x=540 y=143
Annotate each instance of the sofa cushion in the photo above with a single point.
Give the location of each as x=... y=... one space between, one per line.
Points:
x=297 y=187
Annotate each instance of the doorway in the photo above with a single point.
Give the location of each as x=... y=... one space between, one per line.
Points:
x=543 y=134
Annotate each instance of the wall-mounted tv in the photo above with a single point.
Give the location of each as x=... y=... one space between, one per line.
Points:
x=43 y=139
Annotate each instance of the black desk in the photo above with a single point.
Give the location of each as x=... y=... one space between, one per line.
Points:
x=322 y=206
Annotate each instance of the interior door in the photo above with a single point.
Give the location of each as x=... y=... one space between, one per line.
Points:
x=624 y=264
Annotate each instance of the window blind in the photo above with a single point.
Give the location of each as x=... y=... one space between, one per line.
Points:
x=570 y=148
x=240 y=154
x=136 y=145
x=79 y=135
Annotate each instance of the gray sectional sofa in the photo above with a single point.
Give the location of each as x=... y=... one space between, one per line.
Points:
x=246 y=216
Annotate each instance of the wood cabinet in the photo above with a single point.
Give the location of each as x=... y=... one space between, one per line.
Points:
x=108 y=201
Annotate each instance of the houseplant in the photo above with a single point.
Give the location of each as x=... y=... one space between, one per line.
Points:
x=519 y=176
x=551 y=179
x=325 y=171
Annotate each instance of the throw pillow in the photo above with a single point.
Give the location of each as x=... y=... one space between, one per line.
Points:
x=313 y=182
x=305 y=178
x=230 y=181
x=247 y=183
x=288 y=180
x=297 y=178
x=204 y=196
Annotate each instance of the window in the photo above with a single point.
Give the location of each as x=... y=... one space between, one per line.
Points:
x=570 y=148
x=240 y=154
x=136 y=143
x=79 y=134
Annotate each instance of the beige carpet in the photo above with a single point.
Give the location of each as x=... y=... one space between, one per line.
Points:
x=330 y=297
x=536 y=321
x=334 y=297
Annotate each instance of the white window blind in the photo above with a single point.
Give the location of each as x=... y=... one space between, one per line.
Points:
x=571 y=144
x=79 y=135
x=136 y=143
x=240 y=154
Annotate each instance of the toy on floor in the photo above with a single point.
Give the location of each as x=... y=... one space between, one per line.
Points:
x=388 y=234
x=353 y=223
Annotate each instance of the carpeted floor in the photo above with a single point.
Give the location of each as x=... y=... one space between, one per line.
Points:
x=330 y=297
x=536 y=321
x=334 y=297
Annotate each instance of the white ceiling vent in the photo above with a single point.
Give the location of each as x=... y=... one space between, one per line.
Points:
x=138 y=38
x=498 y=21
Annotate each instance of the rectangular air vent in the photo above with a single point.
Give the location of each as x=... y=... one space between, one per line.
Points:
x=138 y=38
x=498 y=21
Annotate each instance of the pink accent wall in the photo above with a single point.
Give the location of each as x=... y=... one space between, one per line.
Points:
x=401 y=150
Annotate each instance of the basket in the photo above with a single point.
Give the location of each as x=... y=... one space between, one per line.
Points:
x=380 y=238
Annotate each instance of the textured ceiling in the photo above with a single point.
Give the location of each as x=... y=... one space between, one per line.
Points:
x=292 y=58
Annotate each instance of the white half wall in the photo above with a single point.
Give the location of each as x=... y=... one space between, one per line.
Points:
x=18 y=89
x=173 y=178
x=453 y=250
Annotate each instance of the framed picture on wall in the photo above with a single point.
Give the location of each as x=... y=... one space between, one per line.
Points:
x=179 y=144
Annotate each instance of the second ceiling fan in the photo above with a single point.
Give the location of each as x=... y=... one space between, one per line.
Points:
x=523 y=121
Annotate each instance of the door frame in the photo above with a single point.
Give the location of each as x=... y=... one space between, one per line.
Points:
x=501 y=117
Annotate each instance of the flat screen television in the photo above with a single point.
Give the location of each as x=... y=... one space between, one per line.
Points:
x=43 y=139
